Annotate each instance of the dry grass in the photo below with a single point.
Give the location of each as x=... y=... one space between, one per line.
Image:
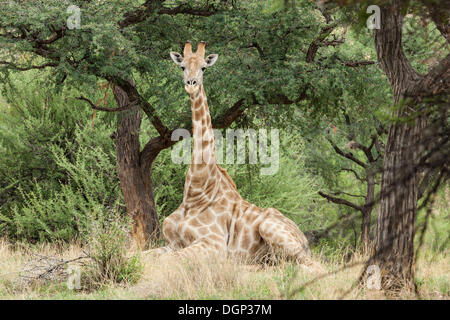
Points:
x=170 y=278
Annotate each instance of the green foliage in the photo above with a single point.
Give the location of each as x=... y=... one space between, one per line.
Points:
x=56 y=168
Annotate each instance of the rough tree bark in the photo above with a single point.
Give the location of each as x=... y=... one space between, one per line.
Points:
x=366 y=210
x=134 y=177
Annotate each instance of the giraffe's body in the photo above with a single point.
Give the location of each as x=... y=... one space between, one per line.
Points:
x=213 y=217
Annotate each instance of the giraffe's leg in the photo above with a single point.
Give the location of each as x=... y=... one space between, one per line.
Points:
x=169 y=232
x=204 y=247
x=283 y=235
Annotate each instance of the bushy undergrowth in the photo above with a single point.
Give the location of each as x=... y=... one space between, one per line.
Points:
x=108 y=244
x=55 y=168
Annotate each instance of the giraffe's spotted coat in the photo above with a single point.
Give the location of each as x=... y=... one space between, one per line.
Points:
x=213 y=217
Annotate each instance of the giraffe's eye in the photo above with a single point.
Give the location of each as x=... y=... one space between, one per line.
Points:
x=182 y=68
x=203 y=69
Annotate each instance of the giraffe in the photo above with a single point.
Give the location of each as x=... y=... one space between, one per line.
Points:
x=213 y=218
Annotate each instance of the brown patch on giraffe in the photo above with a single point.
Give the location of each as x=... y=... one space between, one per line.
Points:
x=198 y=114
x=195 y=223
x=210 y=186
x=198 y=93
x=222 y=221
x=205 y=143
x=251 y=217
x=269 y=234
x=233 y=241
x=235 y=211
x=199 y=178
x=232 y=195
x=198 y=104
x=168 y=233
x=223 y=202
x=245 y=243
x=206 y=217
x=197 y=167
x=189 y=235
x=219 y=208
x=203 y=231
x=256 y=235
x=238 y=227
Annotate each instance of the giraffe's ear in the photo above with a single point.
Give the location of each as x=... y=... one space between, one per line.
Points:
x=176 y=57
x=211 y=59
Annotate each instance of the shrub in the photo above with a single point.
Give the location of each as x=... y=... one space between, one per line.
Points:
x=56 y=168
x=107 y=244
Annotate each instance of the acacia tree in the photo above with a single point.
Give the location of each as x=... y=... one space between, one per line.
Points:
x=405 y=146
x=417 y=138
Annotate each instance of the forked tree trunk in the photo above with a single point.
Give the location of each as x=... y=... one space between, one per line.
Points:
x=394 y=243
x=135 y=179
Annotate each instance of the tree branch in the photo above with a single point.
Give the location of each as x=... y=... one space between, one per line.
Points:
x=388 y=43
x=317 y=43
x=19 y=68
x=229 y=116
x=336 y=193
x=94 y=106
x=340 y=201
x=355 y=173
x=355 y=64
x=436 y=81
x=127 y=87
x=440 y=17
x=156 y=7
x=348 y=155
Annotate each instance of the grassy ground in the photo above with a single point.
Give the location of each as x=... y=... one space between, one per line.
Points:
x=327 y=278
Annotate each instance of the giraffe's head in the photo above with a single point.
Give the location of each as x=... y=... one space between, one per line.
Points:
x=193 y=65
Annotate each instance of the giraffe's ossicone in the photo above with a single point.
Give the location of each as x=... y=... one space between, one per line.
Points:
x=213 y=217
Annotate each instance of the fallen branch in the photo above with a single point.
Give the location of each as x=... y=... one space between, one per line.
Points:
x=46 y=268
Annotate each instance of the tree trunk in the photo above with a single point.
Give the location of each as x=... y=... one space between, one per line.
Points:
x=394 y=243
x=396 y=218
x=135 y=179
x=367 y=211
x=365 y=230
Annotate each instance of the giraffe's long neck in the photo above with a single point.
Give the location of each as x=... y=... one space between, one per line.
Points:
x=203 y=172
